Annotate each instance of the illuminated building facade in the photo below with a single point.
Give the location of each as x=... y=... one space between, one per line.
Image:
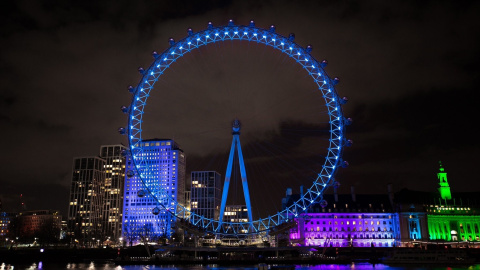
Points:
x=236 y=213
x=205 y=196
x=439 y=216
x=112 y=189
x=167 y=162
x=347 y=220
x=5 y=221
x=85 y=205
x=42 y=224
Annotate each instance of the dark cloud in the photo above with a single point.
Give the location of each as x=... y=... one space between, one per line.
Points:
x=409 y=69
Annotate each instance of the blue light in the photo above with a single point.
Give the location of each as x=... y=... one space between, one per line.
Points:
x=268 y=38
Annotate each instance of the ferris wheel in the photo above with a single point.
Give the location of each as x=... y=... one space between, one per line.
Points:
x=268 y=37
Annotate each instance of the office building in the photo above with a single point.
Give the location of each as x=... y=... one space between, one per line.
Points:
x=167 y=164
x=205 y=196
x=112 y=189
x=85 y=205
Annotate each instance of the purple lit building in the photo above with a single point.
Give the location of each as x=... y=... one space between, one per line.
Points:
x=347 y=220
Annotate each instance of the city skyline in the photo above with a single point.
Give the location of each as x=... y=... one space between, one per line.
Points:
x=64 y=83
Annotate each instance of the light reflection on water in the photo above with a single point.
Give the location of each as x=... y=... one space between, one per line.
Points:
x=93 y=266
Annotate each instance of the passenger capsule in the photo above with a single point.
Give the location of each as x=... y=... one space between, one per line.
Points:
x=348 y=121
x=190 y=31
x=309 y=49
x=345 y=164
x=231 y=23
x=252 y=23
x=121 y=130
x=210 y=25
x=324 y=63
x=155 y=54
x=141 y=193
x=124 y=109
x=141 y=70
x=171 y=41
x=131 y=89
x=348 y=143
x=272 y=28
x=123 y=153
x=323 y=203
x=343 y=100
x=156 y=211
x=336 y=81
x=130 y=173
x=291 y=37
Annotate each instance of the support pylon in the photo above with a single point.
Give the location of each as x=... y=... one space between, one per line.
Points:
x=235 y=145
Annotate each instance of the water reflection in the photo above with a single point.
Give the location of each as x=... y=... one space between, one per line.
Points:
x=111 y=266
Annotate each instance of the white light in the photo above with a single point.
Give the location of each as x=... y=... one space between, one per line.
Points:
x=181 y=47
x=158 y=66
x=216 y=34
x=165 y=59
x=264 y=36
x=298 y=53
x=273 y=39
x=290 y=48
x=226 y=33
x=173 y=53
x=207 y=36
x=245 y=33
x=282 y=44
x=151 y=73
x=255 y=34
x=189 y=43
x=235 y=33
x=198 y=39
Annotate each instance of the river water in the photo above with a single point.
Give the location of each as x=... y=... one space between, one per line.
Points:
x=92 y=266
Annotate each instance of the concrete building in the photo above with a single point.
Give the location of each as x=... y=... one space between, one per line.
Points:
x=41 y=225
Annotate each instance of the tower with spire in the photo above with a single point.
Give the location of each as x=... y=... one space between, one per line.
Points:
x=443 y=187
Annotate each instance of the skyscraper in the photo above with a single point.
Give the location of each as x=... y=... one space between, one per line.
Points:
x=85 y=204
x=112 y=189
x=205 y=196
x=167 y=164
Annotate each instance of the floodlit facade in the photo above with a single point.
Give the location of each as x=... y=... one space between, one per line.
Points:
x=85 y=205
x=42 y=224
x=112 y=189
x=205 y=195
x=348 y=220
x=167 y=163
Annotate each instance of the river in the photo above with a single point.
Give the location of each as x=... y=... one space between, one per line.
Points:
x=110 y=266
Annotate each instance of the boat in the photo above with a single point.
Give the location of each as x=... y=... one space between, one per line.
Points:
x=447 y=257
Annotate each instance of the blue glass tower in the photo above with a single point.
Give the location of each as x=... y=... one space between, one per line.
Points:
x=235 y=145
x=167 y=163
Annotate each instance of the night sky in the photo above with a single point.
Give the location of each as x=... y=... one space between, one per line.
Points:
x=409 y=69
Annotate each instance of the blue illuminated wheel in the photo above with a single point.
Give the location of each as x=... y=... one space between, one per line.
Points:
x=285 y=45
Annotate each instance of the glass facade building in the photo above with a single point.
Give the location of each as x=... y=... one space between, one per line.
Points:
x=205 y=195
x=112 y=189
x=85 y=205
x=167 y=163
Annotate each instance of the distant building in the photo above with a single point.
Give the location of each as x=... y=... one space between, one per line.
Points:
x=41 y=225
x=85 y=206
x=439 y=216
x=167 y=162
x=112 y=189
x=205 y=196
x=6 y=219
x=236 y=213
